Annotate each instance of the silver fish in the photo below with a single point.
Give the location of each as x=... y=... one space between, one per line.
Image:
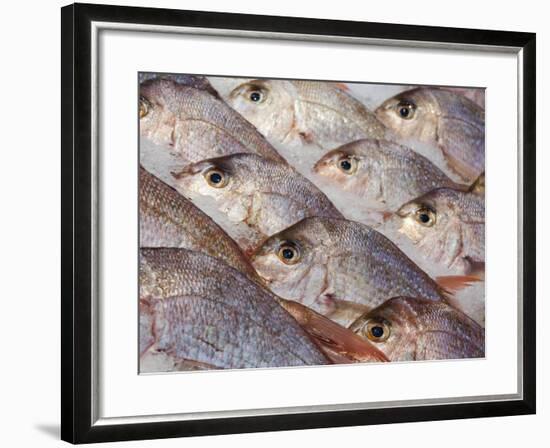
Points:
x=446 y=120
x=195 y=309
x=195 y=123
x=448 y=226
x=411 y=329
x=265 y=195
x=167 y=219
x=297 y=113
x=322 y=261
x=380 y=173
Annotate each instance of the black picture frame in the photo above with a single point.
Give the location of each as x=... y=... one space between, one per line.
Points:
x=76 y=313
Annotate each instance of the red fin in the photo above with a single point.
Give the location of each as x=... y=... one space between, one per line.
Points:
x=339 y=344
x=454 y=283
x=341 y=86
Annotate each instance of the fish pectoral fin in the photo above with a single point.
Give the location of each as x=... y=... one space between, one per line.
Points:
x=339 y=344
x=455 y=283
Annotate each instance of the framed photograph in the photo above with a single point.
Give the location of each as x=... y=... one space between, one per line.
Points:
x=275 y=223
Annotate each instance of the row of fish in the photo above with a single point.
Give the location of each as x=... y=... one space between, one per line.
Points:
x=253 y=254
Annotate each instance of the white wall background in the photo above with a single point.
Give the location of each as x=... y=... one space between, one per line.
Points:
x=30 y=210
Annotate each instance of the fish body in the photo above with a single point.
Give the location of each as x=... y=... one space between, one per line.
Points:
x=298 y=113
x=477 y=95
x=167 y=219
x=195 y=123
x=412 y=329
x=265 y=195
x=447 y=226
x=196 y=310
x=380 y=173
x=448 y=121
x=324 y=262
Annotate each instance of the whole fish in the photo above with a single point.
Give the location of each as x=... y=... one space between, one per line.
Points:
x=321 y=262
x=167 y=219
x=265 y=195
x=195 y=309
x=380 y=173
x=411 y=329
x=444 y=119
x=297 y=113
x=448 y=226
x=194 y=122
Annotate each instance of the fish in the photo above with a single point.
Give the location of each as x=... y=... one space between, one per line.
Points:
x=264 y=195
x=300 y=113
x=167 y=219
x=449 y=122
x=194 y=123
x=381 y=173
x=322 y=262
x=447 y=226
x=197 y=312
x=412 y=329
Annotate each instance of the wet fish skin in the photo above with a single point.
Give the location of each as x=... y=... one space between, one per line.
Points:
x=195 y=123
x=413 y=329
x=381 y=173
x=167 y=219
x=266 y=195
x=196 y=309
x=298 y=113
x=444 y=119
x=335 y=260
x=448 y=227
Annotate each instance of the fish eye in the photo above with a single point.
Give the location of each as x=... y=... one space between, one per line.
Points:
x=377 y=330
x=144 y=107
x=288 y=253
x=425 y=216
x=256 y=94
x=347 y=164
x=406 y=109
x=216 y=178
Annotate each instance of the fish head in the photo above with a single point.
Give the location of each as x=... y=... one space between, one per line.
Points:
x=246 y=187
x=343 y=166
x=294 y=262
x=156 y=115
x=411 y=114
x=391 y=327
x=267 y=104
x=425 y=219
x=221 y=179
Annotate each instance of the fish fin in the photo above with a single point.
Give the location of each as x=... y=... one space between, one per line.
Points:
x=475 y=268
x=341 y=86
x=454 y=283
x=339 y=344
